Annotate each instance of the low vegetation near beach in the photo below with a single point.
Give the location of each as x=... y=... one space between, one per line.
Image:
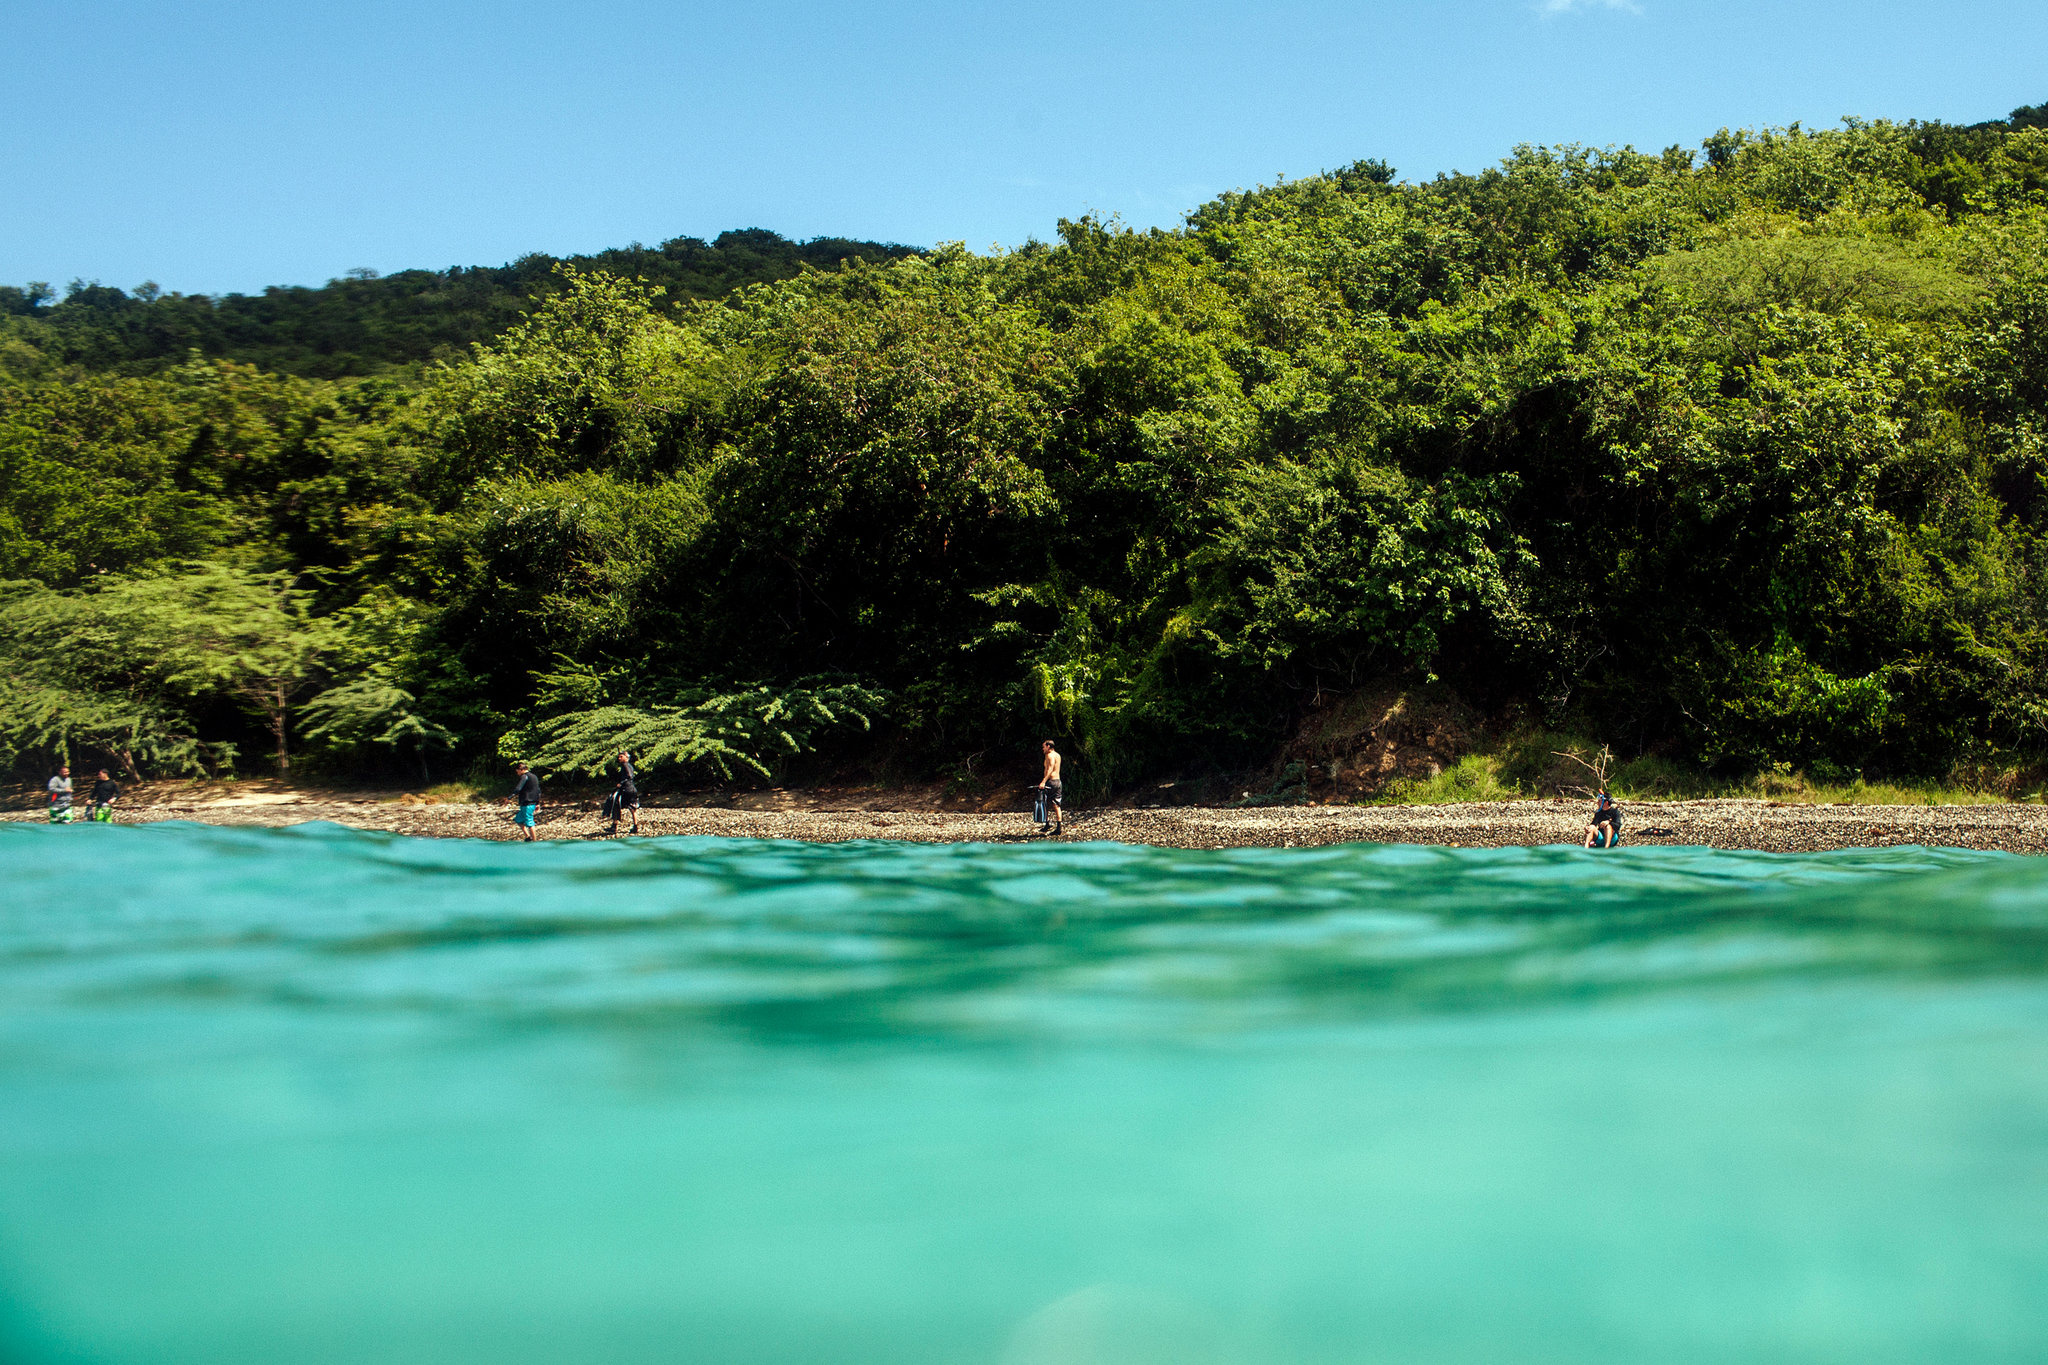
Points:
x=1480 y=777
x=1732 y=459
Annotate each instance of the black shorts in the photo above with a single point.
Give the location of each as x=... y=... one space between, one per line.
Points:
x=629 y=798
x=1054 y=790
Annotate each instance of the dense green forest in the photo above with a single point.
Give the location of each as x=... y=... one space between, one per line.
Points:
x=369 y=324
x=1735 y=455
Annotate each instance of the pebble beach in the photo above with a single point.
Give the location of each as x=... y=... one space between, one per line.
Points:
x=1762 y=825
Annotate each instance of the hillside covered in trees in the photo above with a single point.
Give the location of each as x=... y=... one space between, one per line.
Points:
x=1736 y=455
x=366 y=323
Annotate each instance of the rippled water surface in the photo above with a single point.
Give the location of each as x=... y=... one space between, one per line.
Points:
x=321 y=1096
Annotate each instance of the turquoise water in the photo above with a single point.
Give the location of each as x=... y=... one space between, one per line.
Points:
x=321 y=1096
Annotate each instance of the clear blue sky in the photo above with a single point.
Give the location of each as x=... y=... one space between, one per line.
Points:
x=216 y=146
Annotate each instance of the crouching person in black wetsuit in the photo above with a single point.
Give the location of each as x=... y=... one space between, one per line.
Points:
x=1605 y=829
x=625 y=796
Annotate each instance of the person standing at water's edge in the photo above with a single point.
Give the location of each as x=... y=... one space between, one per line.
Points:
x=1053 y=788
x=626 y=796
x=526 y=792
x=60 y=796
x=104 y=793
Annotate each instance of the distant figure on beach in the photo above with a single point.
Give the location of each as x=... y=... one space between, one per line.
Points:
x=626 y=795
x=1052 y=790
x=526 y=791
x=1605 y=813
x=104 y=793
x=60 y=796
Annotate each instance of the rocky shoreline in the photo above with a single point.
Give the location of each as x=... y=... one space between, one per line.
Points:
x=1764 y=825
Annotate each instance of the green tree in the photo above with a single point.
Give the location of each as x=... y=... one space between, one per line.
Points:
x=149 y=646
x=374 y=711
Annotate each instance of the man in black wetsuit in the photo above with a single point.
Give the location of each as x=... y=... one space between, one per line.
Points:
x=1607 y=814
x=626 y=796
x=526 y=791
x=104 y=793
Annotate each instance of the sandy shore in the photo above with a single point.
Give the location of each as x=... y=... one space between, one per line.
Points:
x=1717 y=824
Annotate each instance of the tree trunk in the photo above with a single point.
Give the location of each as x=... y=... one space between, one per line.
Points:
x=277 y=719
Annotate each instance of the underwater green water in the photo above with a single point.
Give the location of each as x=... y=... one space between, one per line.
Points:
x=321 y=1096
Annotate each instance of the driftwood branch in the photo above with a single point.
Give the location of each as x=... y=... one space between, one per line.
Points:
x=1599 y=764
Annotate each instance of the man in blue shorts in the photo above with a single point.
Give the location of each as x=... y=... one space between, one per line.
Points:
x=526 y=791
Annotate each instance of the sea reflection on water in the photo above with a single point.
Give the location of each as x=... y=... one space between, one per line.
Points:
x=328 y=1096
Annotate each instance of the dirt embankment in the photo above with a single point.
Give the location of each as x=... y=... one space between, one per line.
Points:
x=1354 y=746
x=837 y=815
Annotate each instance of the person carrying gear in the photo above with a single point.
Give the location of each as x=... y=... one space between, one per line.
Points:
x=1050 y=792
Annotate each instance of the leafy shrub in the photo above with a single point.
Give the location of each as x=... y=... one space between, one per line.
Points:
x=703 y=730
x=1475 y=777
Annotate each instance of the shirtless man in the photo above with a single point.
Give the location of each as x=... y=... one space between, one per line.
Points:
x=1051 y=786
